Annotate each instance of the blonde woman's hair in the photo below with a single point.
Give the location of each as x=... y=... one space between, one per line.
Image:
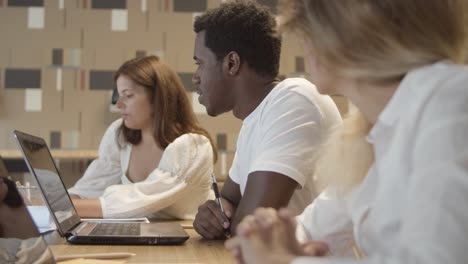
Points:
x=346 y=157
x=376 y=41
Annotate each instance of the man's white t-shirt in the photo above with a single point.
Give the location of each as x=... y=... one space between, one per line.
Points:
x=283 y=134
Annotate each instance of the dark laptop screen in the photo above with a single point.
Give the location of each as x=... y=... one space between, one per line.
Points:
x=40 y=161
x=3 y=169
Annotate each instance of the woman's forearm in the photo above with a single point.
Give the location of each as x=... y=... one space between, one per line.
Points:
x=90 y=208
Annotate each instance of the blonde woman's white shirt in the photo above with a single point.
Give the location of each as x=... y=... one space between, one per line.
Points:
x=283 y=134
x=412 y=206
x=175 y=189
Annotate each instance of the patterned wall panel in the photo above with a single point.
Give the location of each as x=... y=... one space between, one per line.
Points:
x=22 y=78
x=57 y=57
x=55 y=139
x=26 y=3
x=300 y=65
x=221 y=141
x=101 y=80
x=70 y=48
x=190 y=6
x=186 y=78
x=109 y=4
x=140 y=53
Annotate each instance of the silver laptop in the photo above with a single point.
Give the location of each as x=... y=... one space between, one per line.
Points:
x=24 y=237
x=41 y=164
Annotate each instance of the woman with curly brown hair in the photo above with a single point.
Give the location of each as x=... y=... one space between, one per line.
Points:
x=154 y=161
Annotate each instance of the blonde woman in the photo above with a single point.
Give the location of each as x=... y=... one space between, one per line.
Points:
x=397 y=186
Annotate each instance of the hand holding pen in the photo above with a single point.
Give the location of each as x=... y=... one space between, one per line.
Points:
x=214 y=184
x=212 y=219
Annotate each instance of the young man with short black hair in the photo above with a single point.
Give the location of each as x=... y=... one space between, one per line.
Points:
x=237 y=52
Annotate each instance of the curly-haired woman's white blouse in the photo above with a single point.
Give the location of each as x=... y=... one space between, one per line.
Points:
x=174 y=189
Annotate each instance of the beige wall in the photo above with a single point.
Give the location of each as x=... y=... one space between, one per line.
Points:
x=81 y=115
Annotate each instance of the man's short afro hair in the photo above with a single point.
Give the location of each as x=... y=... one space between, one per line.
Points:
x=246 y=28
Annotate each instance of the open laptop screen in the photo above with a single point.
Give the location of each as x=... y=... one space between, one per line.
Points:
x=3 y=169
x=41 y=164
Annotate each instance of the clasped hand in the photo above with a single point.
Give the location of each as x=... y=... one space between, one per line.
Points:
x=269 y=236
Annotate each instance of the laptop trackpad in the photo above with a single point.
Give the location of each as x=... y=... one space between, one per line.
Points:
x=163 y=230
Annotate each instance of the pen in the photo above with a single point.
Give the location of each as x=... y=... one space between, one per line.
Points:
x=218 y=200
x=114 y=255
x=216 y=191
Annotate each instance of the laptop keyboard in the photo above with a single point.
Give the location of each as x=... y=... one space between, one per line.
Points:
x=116 y=229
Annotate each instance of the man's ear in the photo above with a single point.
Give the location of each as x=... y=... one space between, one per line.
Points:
x=231 y=63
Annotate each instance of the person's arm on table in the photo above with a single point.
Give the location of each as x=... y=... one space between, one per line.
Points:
x=185 y=165
x=210 y=222
x=104 y=171
x=263 y=189
x=88 y=208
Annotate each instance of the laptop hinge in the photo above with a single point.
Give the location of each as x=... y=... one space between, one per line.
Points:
x=77 y=228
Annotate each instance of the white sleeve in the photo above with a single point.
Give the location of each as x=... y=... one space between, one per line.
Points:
x=327 y=219
x=435 y=220
x=181 y=178
x=291 y=132
x=234 y=170
x=103 y=171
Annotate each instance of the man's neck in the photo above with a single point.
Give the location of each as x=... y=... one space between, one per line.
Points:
x=251 y=93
